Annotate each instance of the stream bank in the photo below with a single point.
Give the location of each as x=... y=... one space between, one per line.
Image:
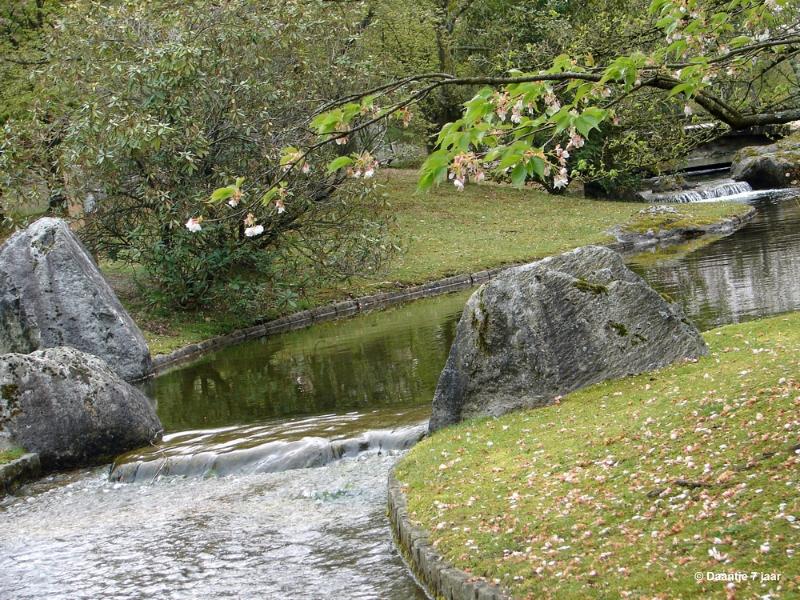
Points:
x=630 y=238
x=629 y=487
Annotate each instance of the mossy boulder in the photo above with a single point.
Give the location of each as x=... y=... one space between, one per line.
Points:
x=766 y=167
x=52 y=294
x=545 y=329
x=70 y=408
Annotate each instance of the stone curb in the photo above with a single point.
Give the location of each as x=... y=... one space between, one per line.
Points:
x=626 y=243
x=15 y=473
x=439 y=578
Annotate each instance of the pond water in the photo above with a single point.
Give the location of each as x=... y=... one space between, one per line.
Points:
x=348 y=397
x=747 y=275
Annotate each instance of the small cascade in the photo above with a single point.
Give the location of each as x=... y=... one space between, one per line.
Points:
x=723 y=189
x=187 y=459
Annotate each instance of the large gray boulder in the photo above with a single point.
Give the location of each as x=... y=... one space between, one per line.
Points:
x=548 y=328
x=70 y=408
x=766 y=167
x=52 y=294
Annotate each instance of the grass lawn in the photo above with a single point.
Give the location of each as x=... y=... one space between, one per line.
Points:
x=442 y=233
x=628 y=488
x=447 y=232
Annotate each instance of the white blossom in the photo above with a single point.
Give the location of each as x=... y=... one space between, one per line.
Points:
x=561 y=179
x=254 y=230
x=193 y=224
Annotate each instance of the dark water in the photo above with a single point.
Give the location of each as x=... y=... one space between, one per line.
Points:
x=377 y=361
x=347 y=395
x=750 y=274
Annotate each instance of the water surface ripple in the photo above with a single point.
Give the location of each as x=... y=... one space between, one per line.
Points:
x=316 y=533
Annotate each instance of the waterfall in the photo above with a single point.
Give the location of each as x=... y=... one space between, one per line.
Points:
x=716 y=190
x=192 y=459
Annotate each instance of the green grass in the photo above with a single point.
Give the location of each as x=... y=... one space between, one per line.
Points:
x=6 y=456
x=442 y=233
x=448 y=232
x=626 y=489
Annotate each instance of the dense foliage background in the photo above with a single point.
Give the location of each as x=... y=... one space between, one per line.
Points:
x=225 y=149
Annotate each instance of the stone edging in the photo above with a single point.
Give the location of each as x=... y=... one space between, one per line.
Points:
x=15 y=473
x=438 y=577
x=626 y=243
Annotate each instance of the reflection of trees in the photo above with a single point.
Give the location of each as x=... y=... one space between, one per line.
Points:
x=749 y=274
x=382 y=359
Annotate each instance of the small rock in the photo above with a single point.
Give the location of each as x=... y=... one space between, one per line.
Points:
x=766 y=167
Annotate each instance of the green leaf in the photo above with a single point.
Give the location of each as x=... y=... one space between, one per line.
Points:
x=512 y=155
x=327 y=121
x=739 y=41
x=339 y=163
x=221 y=194
x=562 y=119
x=349 y=111
x=367 y=102
x=536 y=167
x=433 y=170
x=268 y=196
x=519 y=174
x=682 y=88
x=590 y=119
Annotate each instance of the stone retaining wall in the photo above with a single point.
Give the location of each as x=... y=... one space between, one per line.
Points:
x=625 y=244
x=438 y=577
x=15 y=473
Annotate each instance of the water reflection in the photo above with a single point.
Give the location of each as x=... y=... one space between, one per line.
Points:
x=385 y=359
x=753 y=273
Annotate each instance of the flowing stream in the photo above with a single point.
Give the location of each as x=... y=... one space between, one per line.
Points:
x=225 y=506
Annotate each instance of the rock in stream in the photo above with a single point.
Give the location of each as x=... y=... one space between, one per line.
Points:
x=52 y=294
x=70 y=408
x=545 y=329
x=766 y=167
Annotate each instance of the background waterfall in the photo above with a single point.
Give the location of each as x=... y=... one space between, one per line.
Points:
x=719 y=190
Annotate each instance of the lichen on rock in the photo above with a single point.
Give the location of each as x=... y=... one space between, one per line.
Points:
x=70 y=408
x=52 y=294
x=545 y=329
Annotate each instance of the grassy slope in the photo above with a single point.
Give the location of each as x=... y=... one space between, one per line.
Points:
x=443 y=233
x=625 y=488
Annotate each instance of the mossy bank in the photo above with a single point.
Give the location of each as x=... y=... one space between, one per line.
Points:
x=629 y=488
